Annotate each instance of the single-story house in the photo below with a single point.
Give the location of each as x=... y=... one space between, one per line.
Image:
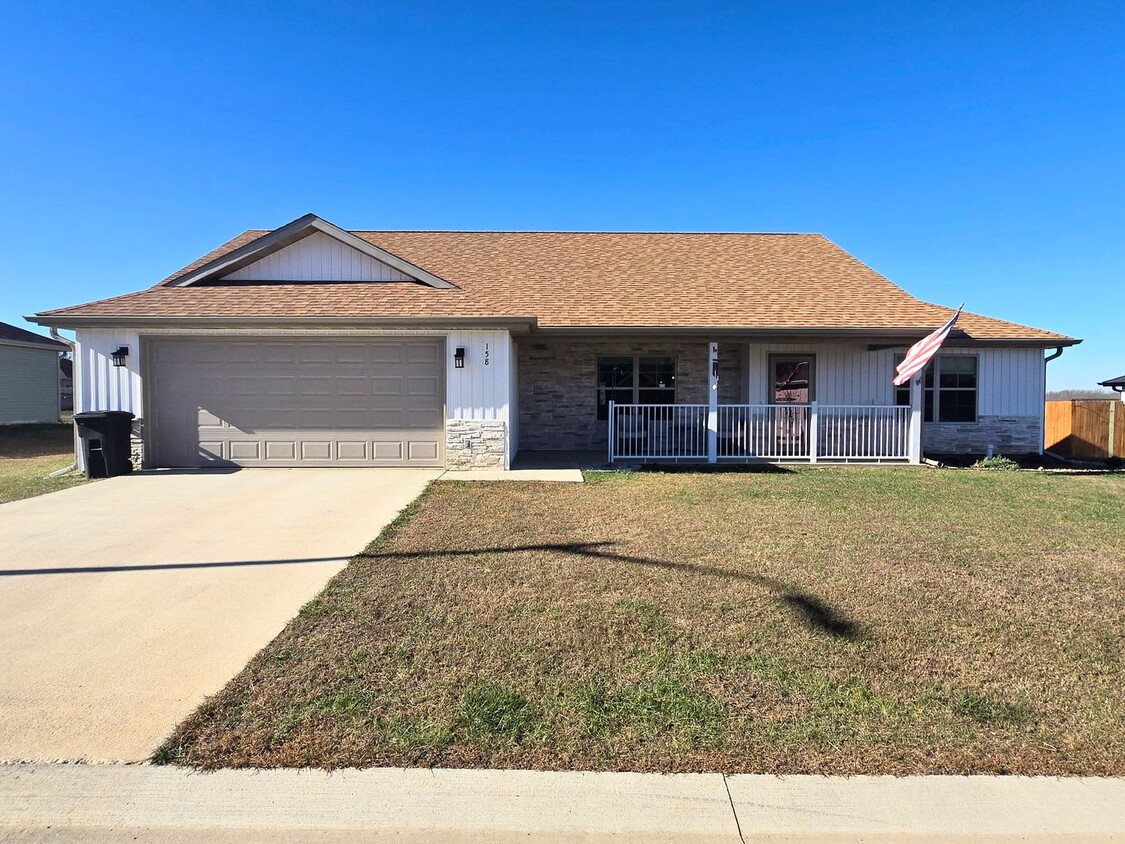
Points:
x=310 y=345
x=29 y=376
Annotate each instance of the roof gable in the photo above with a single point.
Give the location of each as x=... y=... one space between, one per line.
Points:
x=318 y=257
x=307 y=249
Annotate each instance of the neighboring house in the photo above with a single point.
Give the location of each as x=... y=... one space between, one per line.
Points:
x=29 y=376
x=1115 y=384
x=310 y=346
x=66 y=384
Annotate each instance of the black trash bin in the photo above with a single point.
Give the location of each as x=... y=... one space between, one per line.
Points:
x=105 y=441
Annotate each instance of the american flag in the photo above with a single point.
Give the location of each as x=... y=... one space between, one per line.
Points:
x=921 y=352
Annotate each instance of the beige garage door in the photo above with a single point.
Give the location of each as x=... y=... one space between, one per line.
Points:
x=296 y=402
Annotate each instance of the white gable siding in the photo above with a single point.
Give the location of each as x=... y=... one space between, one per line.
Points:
x=29 y=384
x=317 y=257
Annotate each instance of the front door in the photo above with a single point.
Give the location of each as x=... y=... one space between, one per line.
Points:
x=791 y=379
x=792 y=383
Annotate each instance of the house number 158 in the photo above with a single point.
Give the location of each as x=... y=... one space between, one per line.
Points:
x=487 y=361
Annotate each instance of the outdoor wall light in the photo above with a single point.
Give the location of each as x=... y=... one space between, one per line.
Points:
x=119 y=354
x=459 y=358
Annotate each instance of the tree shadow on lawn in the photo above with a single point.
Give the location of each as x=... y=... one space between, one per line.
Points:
x=810 y=609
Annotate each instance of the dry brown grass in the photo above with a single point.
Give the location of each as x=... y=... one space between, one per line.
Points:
x=28 y=455
x=844 y=622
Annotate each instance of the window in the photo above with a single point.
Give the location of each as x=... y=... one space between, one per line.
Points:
x=792 y=378
x=635 y=380
x=950 y=384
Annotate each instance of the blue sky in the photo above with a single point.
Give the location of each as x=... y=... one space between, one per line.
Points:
x=969 y=151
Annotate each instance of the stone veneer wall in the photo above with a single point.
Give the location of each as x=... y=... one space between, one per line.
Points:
x=475 y=444
x=137 y=445
x=558 y=385
x=1009 y=434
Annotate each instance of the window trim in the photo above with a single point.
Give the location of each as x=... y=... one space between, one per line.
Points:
x=771 y=391
x=636 y=385
x=934 y=368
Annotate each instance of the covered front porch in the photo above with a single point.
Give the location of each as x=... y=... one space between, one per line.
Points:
x=715 y=401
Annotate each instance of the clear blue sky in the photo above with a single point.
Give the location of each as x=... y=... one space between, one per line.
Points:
x=970 y=151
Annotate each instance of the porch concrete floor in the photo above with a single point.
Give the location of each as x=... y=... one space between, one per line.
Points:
x=560 y=460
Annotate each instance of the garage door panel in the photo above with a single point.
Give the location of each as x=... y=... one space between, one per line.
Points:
x=251 y=450
x=386 y=385
x=422 y=450
x=421 y=353
x=384 y=353
x=294 y=403
x=352 y=450
x=422 y=385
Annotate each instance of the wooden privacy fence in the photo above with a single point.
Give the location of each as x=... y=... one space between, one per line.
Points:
x=1086 y=429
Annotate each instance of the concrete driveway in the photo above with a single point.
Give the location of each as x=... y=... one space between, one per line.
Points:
x=123 y=603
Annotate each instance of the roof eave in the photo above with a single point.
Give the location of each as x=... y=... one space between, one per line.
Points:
x=515 y=324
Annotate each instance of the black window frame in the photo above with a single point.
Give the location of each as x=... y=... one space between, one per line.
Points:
x=635 y=389
x=933 y=390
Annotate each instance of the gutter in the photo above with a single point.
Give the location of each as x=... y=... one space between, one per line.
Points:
x=512 y=323
x=74 y=352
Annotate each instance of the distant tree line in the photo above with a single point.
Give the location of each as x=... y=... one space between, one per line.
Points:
x=1083 y=395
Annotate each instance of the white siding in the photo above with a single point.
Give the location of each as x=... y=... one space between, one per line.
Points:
x=845 y=373
x=317 y=257
x=98 y=384
x=480 y=390
x=29 y=384
x=1011 y=381
x=513 y=401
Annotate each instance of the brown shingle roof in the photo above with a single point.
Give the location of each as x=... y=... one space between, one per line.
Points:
x=587 y=280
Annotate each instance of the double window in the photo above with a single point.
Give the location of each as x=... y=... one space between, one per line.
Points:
x=950 y=385
x=635 y=380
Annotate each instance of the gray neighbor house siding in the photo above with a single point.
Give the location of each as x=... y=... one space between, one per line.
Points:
x=29 y=376
x=29 y=384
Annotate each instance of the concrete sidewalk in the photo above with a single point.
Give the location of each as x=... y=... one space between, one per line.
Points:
x=145 y=803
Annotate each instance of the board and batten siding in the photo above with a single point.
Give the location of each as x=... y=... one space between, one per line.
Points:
x=513 y=400
x=98 y=384
x=317 y=257
x=29 y=384
x=1011 y=382
x=844 y=373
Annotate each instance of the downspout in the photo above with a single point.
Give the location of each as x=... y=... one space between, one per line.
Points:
x=73 y=354
x=1057 y=353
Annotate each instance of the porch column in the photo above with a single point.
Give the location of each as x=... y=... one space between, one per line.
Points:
x=914 y=447
x=713 y=405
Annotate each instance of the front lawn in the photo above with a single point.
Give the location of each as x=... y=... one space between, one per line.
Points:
x=816 y=621
x=29 y=453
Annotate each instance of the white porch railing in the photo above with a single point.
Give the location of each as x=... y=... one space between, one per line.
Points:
x=808 y=432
